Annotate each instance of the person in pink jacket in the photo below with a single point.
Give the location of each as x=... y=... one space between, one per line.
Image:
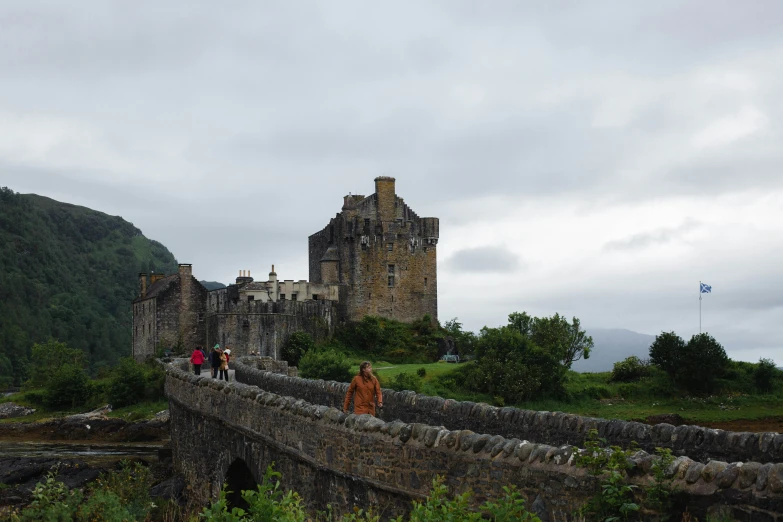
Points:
x=197 y=359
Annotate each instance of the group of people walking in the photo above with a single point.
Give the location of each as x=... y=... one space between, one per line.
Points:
x=364 y=390
x=218 y=360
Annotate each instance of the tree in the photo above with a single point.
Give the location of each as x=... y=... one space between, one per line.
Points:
x=509 y=365
x=67 y=387
x=703 y=361
x=127 y=384
x=565 y=341
x=49 y=356
x=692 y=366
x=666 y=351
x=298 y=344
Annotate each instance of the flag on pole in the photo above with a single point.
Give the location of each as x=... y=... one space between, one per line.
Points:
x=704 y=288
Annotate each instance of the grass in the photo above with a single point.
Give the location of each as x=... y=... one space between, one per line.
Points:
x=593 y=395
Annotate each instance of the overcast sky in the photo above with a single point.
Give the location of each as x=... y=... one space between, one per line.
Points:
x=595 y=159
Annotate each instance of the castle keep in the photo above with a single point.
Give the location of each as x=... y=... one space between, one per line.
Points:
x=381 y=254
x=375 y=257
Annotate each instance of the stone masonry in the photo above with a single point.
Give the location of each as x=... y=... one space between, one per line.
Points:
x=382 y=254
x=346 y=460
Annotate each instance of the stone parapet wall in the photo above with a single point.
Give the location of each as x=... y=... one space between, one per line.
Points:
x=698 y=443
x=331 y=457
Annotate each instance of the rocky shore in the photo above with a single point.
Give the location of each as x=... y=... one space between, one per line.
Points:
x=89 y=428
x=20 y=474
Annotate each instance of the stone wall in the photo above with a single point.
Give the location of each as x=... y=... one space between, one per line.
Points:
x=386 y=256
x=264 y=327
x=345 y=460
x=555 y=428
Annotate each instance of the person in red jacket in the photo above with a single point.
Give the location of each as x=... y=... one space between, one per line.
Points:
x=364 y=390
x=197 y=359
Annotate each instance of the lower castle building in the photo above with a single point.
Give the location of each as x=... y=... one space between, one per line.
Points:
x=375 y=257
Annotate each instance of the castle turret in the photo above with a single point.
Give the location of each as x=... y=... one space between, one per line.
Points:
x=330 y=266
x=142 y=285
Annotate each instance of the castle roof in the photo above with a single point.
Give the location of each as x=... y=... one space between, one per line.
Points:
x=158 y=287
x=331 y=254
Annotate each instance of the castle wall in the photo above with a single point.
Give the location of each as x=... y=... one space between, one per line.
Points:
x=543 y=427
x=387 y=256
x=263 y=327
x=144 y=329
x=344 y=460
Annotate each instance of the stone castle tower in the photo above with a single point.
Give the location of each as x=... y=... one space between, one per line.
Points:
x=381 y=254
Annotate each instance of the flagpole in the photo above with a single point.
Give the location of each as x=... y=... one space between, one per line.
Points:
x=699 y=306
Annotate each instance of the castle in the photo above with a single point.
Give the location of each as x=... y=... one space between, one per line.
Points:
x=375 y=257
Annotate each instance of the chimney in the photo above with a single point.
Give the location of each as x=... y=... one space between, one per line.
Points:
x=273 y=274
x=142 y=284
x=387 y=199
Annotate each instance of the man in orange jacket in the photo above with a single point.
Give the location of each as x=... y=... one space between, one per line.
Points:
x=364 y=390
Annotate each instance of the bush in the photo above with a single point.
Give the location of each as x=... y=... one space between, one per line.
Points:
x=67 y=387
x=594 y=391
x=405 y=381
x=629 y=370
x=329 y=365
x=298 y=344
x=765 y=374
x=127 y=384
x=421 y=372
x=665 y=352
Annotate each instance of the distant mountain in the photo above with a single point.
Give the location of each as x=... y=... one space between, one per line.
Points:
x=612 y=345
x=212 y=285
x=68 y=273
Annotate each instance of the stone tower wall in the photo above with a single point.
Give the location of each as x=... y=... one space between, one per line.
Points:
x=387 y=256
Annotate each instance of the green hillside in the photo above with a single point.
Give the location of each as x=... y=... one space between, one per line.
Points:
x=69 y=273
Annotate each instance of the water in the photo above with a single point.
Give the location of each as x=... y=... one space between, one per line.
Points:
x=81 y=450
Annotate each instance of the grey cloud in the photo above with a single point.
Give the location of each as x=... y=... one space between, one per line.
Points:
x=484 y=259
x=656 y=237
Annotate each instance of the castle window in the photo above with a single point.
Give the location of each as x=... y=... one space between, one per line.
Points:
x=282 y=297
x=149 y=328
x=315 y=297
x=366 y=222
x=425 y=249
x=390 y=246
x=293 y=297
x=391 y=269
x=245 y=323
x=201 y=317
x=391 y=281
x=364 y=245
x=251 y=298
x=425 y=282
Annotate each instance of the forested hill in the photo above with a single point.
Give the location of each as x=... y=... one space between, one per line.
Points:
x=69 y=273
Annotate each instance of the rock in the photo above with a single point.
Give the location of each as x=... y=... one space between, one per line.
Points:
x=9 y=410
x=21 y=474
x=99 y=413
x=170 y=489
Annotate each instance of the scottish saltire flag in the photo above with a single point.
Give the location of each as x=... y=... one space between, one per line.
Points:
x=704 y=288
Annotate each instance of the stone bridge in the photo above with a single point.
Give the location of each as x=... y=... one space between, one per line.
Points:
x=230 y=432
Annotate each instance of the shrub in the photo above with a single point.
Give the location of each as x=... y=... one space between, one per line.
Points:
x=421 y=372
x=128 y=383
x=629 y=370
x=765 y=374
x=67 y=387
x=594 y=391
x=298 y=344
x=328 y=365
x=405 y=381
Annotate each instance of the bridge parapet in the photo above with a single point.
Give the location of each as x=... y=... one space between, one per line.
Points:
x=345 y=460
x=699 y=443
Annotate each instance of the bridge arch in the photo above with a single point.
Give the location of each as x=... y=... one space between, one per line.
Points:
x=238 y=478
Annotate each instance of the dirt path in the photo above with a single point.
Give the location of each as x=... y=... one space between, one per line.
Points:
x=757 y=425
